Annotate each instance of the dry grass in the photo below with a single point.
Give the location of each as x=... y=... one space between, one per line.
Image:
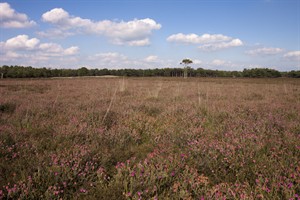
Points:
x=164 y=138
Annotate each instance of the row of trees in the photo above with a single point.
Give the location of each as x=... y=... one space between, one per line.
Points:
x=30 y=72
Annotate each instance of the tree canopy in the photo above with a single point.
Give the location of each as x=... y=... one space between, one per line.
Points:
x=186 y=61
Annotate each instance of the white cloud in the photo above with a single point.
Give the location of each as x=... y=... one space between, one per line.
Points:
x=132 y=33
x=56 y=16
x=265 y=51
x=292 y=55
x=196 y=39
x=221 y=45
x=151 y=58
x=71 y=50
x=20 y=42
x=207 y=42
x=9 y=18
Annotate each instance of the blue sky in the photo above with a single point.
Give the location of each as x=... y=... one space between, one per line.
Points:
x=215 y=34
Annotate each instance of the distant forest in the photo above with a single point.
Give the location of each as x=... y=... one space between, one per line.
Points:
x=31 y=72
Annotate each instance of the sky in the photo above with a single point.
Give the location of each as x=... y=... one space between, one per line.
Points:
x=142 y=34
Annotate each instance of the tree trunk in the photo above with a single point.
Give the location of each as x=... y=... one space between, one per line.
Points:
x=185 y=73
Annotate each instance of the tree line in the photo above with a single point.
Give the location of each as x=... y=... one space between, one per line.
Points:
x=31 y=72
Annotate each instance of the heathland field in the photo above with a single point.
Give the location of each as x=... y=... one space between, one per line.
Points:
x=150 y=138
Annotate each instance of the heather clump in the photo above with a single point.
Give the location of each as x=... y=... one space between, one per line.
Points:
x=150 y=138
x=7 y=107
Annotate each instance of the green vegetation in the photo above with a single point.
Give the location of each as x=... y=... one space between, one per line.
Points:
x=261 y=73
x=30 y=72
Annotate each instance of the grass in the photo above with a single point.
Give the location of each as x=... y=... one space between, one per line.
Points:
x=150 y=138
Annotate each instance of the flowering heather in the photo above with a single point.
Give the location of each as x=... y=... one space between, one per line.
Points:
x=150 y=138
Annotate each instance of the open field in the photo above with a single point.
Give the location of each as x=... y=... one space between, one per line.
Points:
x=152 y=138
